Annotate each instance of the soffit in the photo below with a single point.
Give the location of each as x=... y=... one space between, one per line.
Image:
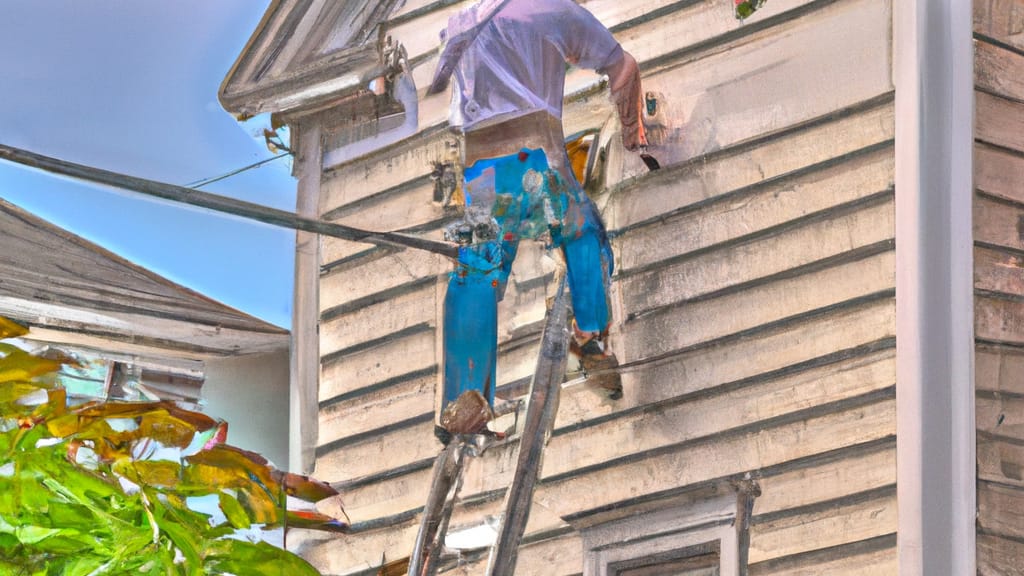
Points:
x=305 y=53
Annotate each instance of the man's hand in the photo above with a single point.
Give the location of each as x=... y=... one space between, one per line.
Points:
x=624 y=77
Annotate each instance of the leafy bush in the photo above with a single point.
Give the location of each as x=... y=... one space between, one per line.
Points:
x=104 y=487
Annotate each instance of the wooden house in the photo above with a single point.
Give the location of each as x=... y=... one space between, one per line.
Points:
x=793 y=303
x=141 y=336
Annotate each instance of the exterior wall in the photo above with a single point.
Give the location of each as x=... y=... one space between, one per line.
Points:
x=999 y=284
x=251 y=394
x=754 y=300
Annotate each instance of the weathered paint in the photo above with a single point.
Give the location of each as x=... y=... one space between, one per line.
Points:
x=998 y=205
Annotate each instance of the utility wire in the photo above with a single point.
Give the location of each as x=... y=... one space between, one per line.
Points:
x=218 y=203
x=204 y=181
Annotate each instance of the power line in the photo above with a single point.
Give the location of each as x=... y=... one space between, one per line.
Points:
x=211 y=180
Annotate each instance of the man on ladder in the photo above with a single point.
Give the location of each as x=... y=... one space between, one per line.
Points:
x=509 y=58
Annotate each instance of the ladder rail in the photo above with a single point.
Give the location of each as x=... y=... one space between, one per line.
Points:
x=540 y=417
x=447 y=479
x=447 y=473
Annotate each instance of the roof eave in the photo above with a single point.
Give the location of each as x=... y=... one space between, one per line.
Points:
x=348 y=73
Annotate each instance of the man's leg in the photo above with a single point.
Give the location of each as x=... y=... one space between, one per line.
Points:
x=471 y=340
x=589 y=263
x=587 y=271
x=474 y=290
x=470 y=337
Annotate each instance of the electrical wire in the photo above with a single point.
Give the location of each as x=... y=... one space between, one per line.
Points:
x=204 y=181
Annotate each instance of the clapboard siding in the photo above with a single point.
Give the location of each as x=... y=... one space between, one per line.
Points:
x=997 y=222
x=407 y=206
x=999 y=172
x=683 y=325
x=798 y=351
x=361 y=369
x=872 y=557
x=401 y=401
x=645 y=430
x=873 y=275
x=997 y=70
x=1000 y=20
x=852 y=472
x=999 y=121
x=758 y=445
x=743 y=262
x=1001 y=416
x=999 y=556
x=411 y=308
x=753 y=209
x=998 y=270
x=754 y=299
x=553 y=555
x=999 y=282
x=390 y=170
x=1000 y=510
x=711 y=92
x=852 y=519
x=359 y=281
x=1000 y=370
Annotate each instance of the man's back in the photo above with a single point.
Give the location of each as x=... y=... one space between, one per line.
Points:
x=515 y=65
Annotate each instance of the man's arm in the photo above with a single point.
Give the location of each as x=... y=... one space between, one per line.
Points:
x=624 y=78
x=586 y=42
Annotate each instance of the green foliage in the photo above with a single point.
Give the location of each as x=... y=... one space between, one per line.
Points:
x=103 y=488
x=745 y=8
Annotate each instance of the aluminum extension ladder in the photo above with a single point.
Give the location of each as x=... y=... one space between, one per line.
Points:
x=447 y=478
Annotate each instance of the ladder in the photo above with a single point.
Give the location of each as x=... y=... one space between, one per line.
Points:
x=447 y=474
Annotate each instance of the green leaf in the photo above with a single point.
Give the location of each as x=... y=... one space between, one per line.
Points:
x=68 y=516
x=155 y=473
x=234 y=511
x=87 y=566
x=22 y=567
x=12 y=391
x=16 y=364
x=11 y=329
x=187 y=541
x=262 y=559
x=225 y=466
x=34 y=534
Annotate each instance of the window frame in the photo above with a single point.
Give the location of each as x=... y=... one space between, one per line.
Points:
x=713 y=519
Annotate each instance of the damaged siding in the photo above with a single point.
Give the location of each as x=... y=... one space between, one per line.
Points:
x=998 y=282
x=754 y=300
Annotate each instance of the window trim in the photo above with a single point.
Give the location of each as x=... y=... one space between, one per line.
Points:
x=714 y=518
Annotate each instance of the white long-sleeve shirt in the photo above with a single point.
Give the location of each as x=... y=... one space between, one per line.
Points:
x=516 y=63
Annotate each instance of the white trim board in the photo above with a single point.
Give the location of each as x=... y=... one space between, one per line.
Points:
x=934 y=75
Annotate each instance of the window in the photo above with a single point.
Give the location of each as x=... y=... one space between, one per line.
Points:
x=700 y=533
x=92 y=375
x=697 y=561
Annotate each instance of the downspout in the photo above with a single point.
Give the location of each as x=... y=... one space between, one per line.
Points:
x=933 y=67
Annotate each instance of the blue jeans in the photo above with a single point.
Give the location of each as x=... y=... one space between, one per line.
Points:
x=525 y=198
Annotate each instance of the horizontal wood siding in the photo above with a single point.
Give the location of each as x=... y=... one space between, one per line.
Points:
x=754 y=300
x=999 y=283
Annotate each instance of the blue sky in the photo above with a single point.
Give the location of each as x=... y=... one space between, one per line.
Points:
x=131 y=86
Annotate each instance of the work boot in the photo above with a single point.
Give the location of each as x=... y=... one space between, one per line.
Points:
x=467 y=415
x=597 y=360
